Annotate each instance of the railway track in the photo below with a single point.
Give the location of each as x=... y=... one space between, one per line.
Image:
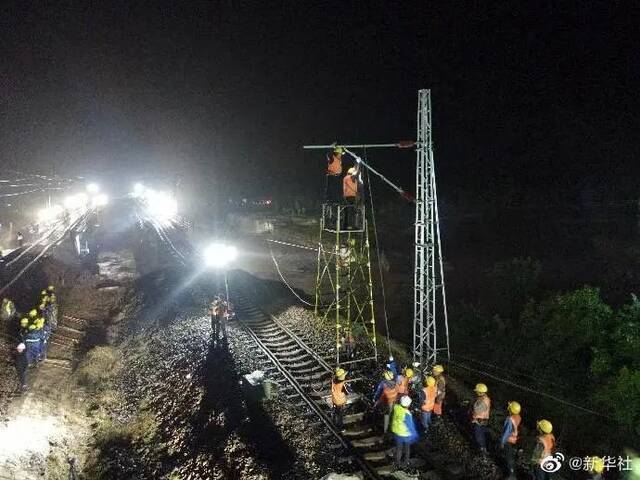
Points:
x=303 y=376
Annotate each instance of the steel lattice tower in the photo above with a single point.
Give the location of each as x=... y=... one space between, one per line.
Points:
x=430 y=300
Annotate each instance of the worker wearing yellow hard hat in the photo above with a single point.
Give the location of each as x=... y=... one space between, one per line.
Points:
x=545 y=446
x=480 y=416
x=427 y=398
x=403 y=381
x=385 y=396
x=509 y=437
x=441 y=390
x=339 y=392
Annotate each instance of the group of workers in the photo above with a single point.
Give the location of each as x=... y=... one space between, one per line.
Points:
x=221 y=311
x=33 y=331
x=343 y=188
x=397 y=391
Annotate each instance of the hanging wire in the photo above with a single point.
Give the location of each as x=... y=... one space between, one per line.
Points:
x=275 y=262
x=375 y=236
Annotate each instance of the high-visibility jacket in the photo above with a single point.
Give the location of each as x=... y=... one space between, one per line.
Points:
x=548 y=443
x=429 y=398
x=389 y=393
x=334 y=165
x=515 y=421
x=399 y=422
x=481 y=408
x=350 y=186
x=403 y=384
x=338 y=397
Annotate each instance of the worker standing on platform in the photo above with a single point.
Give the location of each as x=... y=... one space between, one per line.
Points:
x=441 y=391
x=351 y=194
x=385 y=396
x=480 y=416
x=339 y=392
x=509 y=438
x=334 y=175
x=427 y=401
x=22 y=365
x=545 y=446
x=404 y=431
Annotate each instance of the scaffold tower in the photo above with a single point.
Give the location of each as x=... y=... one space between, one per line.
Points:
x=344 y=290
x=430 y=301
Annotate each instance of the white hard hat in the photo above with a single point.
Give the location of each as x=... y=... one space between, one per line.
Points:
x=405 y=401
x=21 y=347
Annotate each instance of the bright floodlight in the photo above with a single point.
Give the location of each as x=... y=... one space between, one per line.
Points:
x=93 y=188
x=161 y=206
x=99 y=200
x=220 y=255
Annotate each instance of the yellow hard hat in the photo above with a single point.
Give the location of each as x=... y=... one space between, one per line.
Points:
x=51 y=288
x=388 y=374
x=40 y=323
x=514 y=408
x=338 y=150
x=24 y=322
x=42 y=306
x=481 y=388
x=32 y=327
x=430 y=381
x=597 y=464
x=341 y=373
x=408 y=373
x=438 y=369
x=545 y=426
x=43 y=292
x=33 y=313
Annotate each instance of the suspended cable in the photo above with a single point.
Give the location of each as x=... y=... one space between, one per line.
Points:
x=375 y=236
x=275 y=262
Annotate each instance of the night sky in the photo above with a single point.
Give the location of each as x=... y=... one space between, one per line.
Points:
x=527 y=95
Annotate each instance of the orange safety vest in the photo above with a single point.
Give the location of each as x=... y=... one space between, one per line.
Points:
x=403 y=385
x=338 y=397
x=389 y=394
x=429 y=398
x=334 y=167
x=515 y=420
x=350 y=186
x=483 y=415
x=548 y=442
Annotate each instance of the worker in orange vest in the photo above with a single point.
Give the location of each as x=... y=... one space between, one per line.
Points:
x=427 y=401
x=509 y=438
x=545 y=447
x=386 y=395
x=339 y=392
x=334 y=175
x=441 y=390
x=403 y=381
x=350 y=192
x=480 y=416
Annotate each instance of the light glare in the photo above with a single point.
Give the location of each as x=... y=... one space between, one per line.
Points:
x=220 y=255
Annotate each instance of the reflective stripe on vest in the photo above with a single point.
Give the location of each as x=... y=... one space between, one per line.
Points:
x=515 y=421
x=390 y=394
x=548 y=442
x=398 y=425
x=349 y=186
x=484 y=413
x=334 y=167
x=338 y=396
x=430 y=397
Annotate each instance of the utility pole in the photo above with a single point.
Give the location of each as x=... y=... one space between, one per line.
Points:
x=430 y=298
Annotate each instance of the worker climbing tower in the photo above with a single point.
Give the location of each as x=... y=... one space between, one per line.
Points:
x=344 y=290
x=430 y=299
